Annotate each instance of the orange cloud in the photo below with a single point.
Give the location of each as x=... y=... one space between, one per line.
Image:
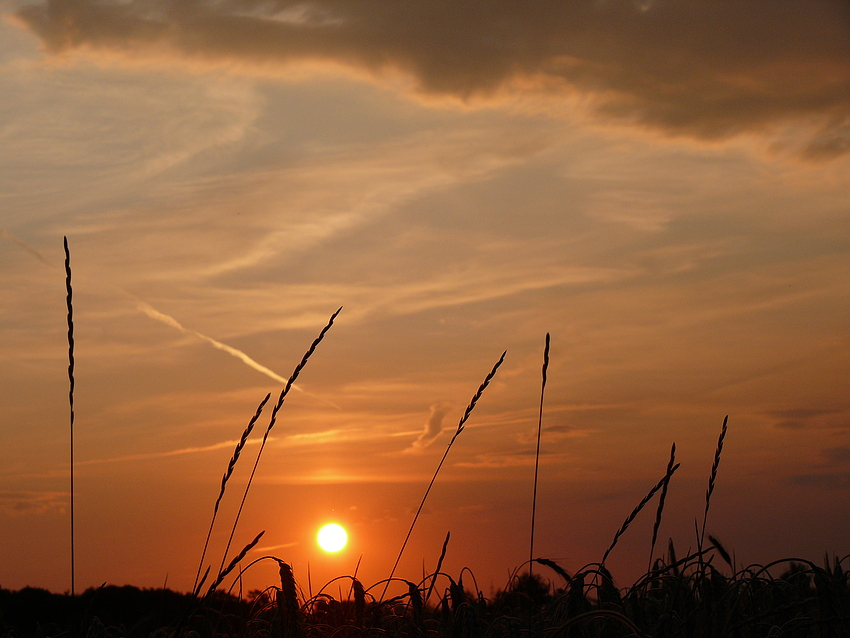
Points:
x=433 y=427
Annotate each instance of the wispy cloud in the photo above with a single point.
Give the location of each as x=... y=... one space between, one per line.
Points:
x=552 y=434
x=161 y=455
x=271 y=548
x=512 y=459
x=325 y=436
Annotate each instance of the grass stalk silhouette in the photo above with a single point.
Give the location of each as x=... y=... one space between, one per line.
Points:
x=228 y=473
x=70 y=304
x=712 y=479
x=222 y=574
x=439 y=566
x=637 y=510
x=661 y=500
x=272 y=421
x=460 y=427
x=537 y=454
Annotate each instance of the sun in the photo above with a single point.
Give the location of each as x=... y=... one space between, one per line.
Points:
x=332 y=537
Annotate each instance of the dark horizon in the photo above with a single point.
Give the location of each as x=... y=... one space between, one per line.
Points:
x=661 y=185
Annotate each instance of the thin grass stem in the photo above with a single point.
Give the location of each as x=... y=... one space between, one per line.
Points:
x=712 y=479
x=232 y=565
x=439 y=567
x=70 y=304
x=661 y=500
x=537 y=455
x=637 y=510
x=459 y=429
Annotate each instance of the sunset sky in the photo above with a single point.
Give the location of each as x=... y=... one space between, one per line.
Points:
x=661 y=185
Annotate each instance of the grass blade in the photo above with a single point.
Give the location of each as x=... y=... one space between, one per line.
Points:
x=537 y=454
x=232 y=565
x=439 y=567
x=712 y=479
x=661 y=500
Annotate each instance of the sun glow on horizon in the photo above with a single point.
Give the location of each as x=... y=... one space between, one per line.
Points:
x=332 y=537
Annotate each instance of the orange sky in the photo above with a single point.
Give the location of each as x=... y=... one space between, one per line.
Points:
x=662 y=185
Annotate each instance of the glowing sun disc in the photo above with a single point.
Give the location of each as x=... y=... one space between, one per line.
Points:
x=332 y=538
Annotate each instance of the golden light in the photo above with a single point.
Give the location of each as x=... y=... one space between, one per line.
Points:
x=332 y=537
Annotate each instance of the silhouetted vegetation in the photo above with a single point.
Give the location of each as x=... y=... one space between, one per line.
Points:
x=688 y=597
x=701 y=595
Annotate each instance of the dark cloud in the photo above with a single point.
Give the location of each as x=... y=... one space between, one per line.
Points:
x=797 y=419
x=833 y=481
x=832 y=475
x=13 y=503
x=708 y=69
x=839 y=455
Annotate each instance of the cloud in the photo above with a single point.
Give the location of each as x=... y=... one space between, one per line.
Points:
x=800 y=418
x=698 y=68
x=831 y=481
x=15 y=503
x=180 y=452
x=271 y=548
x=552 y=434
x=523 y=458
x=831 y=475
x=155 y=314
x=433 y=427
x=838 y=455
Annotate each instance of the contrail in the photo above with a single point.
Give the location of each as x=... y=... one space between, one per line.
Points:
x=153 y=313
x=171 y=321
x=10 y=237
